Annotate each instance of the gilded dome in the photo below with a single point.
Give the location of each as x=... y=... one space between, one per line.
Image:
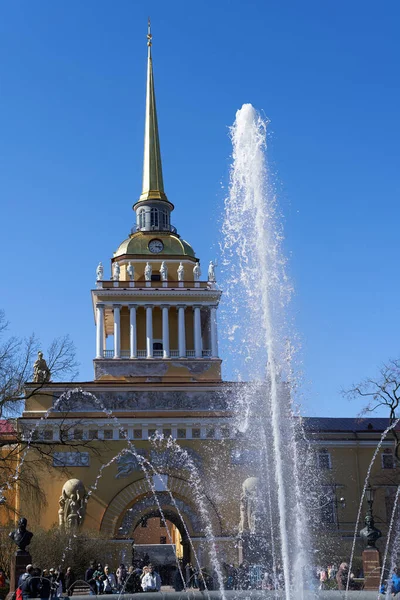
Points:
x=138 y=243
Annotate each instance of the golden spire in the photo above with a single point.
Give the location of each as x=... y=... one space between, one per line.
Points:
x=153 y=185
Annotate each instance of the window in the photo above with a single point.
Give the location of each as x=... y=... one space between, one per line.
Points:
x=141 y=219
x=48 y=435
x=137 y=434
x=144 y=523
x=157 y=346
x=225 y=433
x=388 y=459
x=154 y=217
x=181 y=434
x=163 y=539
x=156 y=277
x=78 y=434
x=123 y=434
x=164 y=216
x=196 y=433
x=324 y=459
x=167 y=432
x=152 y=432
x=327 y=505
x=108 y=434
x=210 y=433
x=93 y=434
x=162 y=524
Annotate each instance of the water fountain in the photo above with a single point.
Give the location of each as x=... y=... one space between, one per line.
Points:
x=257 y=291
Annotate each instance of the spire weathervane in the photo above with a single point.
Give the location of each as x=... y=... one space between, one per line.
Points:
x=153 y=185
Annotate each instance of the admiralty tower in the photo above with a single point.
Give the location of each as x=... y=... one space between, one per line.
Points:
x=156 y=371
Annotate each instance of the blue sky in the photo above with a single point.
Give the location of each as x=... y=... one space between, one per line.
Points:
x=72 y=80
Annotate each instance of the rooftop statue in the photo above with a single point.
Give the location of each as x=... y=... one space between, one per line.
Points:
x=249 y=506
x=181 y=272
x=148 y=272
x=41 y=372
x=130 y=270
x=116 y=271
x=164 y=271
x=99 y=272
x=196 y=272
x=211 y=272
x=21 y=536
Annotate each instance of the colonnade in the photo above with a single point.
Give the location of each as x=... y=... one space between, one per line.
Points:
x=181 y=352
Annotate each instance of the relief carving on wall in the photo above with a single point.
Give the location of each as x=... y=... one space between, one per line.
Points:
x=78 y=400
x=71 y=459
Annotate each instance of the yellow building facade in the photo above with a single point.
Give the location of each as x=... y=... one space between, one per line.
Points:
x=153 y=434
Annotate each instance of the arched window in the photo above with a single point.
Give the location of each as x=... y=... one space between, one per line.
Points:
x=141 y=219
x=154 y=217
x=165 y=219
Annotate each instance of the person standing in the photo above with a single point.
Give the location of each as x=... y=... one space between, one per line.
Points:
x=151 y=581
x=395 y=582
x=121 y=576
x=90 y=579
x=69 y=581
x=109 y=581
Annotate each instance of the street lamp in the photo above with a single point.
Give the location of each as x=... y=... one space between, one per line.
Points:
x=370 y=533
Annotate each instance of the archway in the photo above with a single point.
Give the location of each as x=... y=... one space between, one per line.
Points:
x=138 y=502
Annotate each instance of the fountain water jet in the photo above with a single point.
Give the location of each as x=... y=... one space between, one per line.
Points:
x=257 y=290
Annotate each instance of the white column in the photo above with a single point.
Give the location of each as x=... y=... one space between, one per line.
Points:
x=99 y=330
x=132 y=331
x=149 y=330
x=181 y=331
x=214 y=332
x=197 y=331
x=117 y=330
x=165 y=330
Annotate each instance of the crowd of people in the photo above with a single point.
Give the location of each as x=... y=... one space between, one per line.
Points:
x=52 y=584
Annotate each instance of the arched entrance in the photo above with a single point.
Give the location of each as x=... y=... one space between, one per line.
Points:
x=138 y=503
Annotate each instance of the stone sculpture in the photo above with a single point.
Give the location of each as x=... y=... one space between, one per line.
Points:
x=196 y=272
x=99 y=272
x=164 y=271
x=41 y=372
x=130 y=271
x=72 y=504
x=249 y=506
x=116 y=271
x=181 y=272
x=211 y=272
x=148 y=272
x=21 y=536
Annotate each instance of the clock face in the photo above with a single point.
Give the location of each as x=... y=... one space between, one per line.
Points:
x=156 y=246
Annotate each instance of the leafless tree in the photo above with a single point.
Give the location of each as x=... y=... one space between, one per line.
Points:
x=16 y=362
x=16 y=368
x=383 y=391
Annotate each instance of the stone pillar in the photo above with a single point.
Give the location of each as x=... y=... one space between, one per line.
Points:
x=181 y=331
x=149 y=330
x=197 y=331
x=99 y=330
x=372 y=569
x=132 y=331
x=214 y=332
x=165 y=330
x=117 y=330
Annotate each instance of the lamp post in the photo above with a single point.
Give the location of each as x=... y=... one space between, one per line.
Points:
x=370 y=534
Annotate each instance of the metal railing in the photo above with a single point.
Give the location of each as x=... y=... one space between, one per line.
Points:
x=124 y=354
